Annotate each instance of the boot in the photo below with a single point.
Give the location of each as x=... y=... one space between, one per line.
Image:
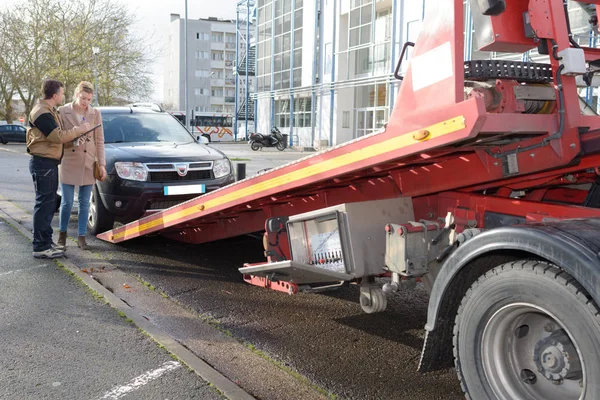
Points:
x=62 y=241
x=81 y=243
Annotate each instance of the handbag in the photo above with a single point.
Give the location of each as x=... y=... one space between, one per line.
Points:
x=97 y=171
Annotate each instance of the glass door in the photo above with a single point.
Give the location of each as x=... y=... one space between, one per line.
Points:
x=369 y=120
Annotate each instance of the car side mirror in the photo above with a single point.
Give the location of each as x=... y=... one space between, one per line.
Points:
x=201 y=139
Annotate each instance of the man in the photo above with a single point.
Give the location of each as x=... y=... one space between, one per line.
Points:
x=45 y=138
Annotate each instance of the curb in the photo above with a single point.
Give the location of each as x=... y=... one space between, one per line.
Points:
x=200 y=367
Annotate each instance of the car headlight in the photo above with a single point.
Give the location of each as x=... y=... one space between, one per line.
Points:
x=132 y=171
x=221 y=168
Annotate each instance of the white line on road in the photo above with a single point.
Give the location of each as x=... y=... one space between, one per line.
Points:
x=14 y=271
x=136 y=383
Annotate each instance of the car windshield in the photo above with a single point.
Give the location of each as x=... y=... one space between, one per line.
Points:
x=143 y=127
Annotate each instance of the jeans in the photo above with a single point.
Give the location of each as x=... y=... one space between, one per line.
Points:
x=66 y=204
x=44 y=172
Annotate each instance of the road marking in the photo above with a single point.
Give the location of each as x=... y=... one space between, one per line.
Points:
x=14 y=271
x=138 y=382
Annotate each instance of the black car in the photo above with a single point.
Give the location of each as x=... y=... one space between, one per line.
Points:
x=152 y=163
x=12 y=133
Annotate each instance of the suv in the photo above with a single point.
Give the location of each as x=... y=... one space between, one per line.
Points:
x=152 y=163
x=12 y=133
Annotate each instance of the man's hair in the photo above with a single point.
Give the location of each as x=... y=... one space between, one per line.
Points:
x=50 y=87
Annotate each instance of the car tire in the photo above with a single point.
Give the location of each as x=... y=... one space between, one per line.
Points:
x=520 y=306
x=3 y=141
x=99 y=219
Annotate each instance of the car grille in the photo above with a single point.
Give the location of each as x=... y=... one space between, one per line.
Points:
x=161 y=203
x=173 y=176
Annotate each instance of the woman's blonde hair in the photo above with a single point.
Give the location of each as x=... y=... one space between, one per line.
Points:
x=83 y=86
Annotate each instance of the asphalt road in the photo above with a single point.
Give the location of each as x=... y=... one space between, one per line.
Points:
x=325 y=337
x=58 y=342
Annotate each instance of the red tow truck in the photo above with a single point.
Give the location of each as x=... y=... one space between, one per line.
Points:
x=485 y=186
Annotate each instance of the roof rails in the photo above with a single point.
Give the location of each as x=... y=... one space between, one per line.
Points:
x=152 y=106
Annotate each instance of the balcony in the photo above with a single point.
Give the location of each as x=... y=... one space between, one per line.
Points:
x=217 y=82
x=229 y=99
x=216 y=100
x=229 y=81
x=217 y=46
x=230 y=46
x=218 y=64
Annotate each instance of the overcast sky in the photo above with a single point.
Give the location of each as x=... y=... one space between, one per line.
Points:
x=154 y=17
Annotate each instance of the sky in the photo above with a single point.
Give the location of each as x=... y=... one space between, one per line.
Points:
x=154 y=18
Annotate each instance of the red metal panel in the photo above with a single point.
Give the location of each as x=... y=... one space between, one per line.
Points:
x=507 y=29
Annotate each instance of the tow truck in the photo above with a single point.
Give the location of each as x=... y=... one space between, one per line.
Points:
x=484 y=185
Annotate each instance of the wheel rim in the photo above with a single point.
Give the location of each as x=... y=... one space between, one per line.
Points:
x=528 y=353
x=93 y=210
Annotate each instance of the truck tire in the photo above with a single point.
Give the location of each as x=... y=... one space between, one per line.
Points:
x=527 y=330
x=99 y=219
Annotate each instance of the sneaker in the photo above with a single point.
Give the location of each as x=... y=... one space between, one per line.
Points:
x=59 y=247
x=52 y=252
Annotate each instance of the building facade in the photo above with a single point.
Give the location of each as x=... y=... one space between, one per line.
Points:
x=325 y=67
x=211 y=59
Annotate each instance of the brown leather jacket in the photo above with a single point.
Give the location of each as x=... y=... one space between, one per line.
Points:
x=45 y=134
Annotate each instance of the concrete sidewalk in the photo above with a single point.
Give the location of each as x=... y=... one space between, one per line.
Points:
x=60 y=341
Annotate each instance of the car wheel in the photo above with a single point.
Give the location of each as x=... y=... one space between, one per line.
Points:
x=527 y=330
x=2 y=140
x=99 y=219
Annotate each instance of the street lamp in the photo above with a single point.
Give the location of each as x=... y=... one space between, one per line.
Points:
x=95 y=51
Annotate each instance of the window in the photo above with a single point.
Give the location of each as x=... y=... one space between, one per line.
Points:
x=302 y=112
x=205 y=55
x=217 y=37
x=217 y=92
x=346 y=119
x=197 y=35
x=217 y=56
x=214 y=120
x=197 y=54
x=197 y=91
x=282 y=113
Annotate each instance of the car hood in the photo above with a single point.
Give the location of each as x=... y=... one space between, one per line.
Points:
x=142 y=152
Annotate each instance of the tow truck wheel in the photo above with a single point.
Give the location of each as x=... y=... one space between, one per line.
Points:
x=377 y=302
x=528 y=330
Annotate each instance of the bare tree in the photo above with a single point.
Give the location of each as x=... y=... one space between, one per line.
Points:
x=54 y=39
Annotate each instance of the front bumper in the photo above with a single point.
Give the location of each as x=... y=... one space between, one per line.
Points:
x=136 y=198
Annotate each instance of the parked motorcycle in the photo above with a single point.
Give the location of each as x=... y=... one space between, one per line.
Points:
x=274 y=139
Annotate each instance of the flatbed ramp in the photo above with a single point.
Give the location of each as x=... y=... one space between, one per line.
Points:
x=359 y=169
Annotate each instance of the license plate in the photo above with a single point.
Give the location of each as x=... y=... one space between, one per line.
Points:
x=184 y=189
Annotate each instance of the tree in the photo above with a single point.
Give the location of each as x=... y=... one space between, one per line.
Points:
x=54 y=39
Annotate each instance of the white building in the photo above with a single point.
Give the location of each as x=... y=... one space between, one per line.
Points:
x=325 y=67
x=211 y=59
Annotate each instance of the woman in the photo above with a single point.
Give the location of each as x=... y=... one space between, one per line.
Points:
x=77 y=165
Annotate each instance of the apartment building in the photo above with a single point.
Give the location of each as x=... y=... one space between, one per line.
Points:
x=211 y=59
x=325 y=67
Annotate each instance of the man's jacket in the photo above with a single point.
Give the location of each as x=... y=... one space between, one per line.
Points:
x=45 y=134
